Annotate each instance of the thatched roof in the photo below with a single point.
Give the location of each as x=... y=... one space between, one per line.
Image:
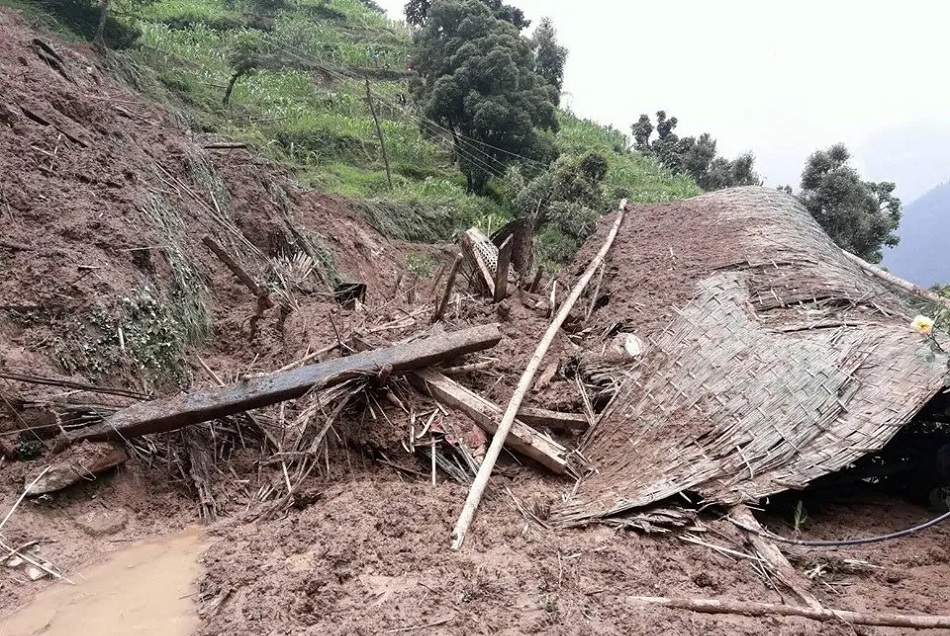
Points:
x=772 y=358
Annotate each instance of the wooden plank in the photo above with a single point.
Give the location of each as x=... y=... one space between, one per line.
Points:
x=522 y=438
x=160 y=416
x=501 y=272
x=553 y=419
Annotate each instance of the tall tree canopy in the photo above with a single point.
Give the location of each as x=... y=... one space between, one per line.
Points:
x=696 y=157
x=860 y=216
x=549 y=55
x=477 y=78
x=418 y=10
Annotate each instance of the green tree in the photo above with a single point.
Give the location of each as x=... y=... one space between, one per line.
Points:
x=563 y=202
x=418 y=10
x=860 y=216
x=549 y=55
x=477 y=78
x=245 y=57
x=696 y=157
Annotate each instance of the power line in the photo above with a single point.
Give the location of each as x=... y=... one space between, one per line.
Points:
x=473 y=144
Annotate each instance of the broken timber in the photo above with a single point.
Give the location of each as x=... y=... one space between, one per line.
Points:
x=555 y=420
x=179 y=411
x=485 y=414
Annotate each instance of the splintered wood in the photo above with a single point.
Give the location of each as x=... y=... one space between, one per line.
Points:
x=523 y=438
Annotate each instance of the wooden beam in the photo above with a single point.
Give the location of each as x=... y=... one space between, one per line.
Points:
x=447 y=294
x=772 y=555
x=553 y=419
x=501 y=272
x=522 y=438
x=160 y=416
x=237 y=270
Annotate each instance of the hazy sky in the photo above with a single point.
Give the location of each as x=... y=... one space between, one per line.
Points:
x=779 y=79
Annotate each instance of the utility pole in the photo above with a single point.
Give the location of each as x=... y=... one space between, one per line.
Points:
x=379 y=131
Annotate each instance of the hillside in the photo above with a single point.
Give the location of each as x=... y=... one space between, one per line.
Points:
x=162 y=247
x=305 y=106
x=921 y=255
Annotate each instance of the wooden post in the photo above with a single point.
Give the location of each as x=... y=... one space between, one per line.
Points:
x=160 y=416
x=237 y=270
x=501 y=272
x=447 y=294
x=524 y=385
x=485 y=414
x=536 y=283
x=379 y=131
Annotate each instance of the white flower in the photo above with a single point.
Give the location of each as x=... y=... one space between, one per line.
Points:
x=922 y=324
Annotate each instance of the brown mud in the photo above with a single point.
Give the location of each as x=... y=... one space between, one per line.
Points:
x=364 y=549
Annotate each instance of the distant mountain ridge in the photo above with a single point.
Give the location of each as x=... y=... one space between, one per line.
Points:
x=923 y=254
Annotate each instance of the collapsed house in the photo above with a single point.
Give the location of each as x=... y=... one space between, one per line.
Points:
x=772 y=358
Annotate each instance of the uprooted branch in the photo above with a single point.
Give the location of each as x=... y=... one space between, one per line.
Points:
x=712 y=606
x=179 y=411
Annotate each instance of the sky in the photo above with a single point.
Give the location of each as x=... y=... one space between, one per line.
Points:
x=779 y=79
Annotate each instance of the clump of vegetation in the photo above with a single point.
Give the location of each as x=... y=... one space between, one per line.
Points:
x=565 y=202
x=142 y=330
x=421 y=265
x=478 y=79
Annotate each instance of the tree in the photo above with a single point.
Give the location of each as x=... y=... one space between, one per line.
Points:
x=696 y=157
x=245 y=56
x=418 y=10
x=563 y=202
x=549 y=55
x=860 y=216
x=477 y=78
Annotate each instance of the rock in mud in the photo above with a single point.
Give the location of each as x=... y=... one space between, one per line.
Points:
x=98 y=523
x=76 y=464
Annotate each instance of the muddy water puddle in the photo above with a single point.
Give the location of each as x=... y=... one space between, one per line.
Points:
x=146 y=589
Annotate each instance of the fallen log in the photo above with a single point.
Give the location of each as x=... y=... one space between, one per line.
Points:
x=712 y=606
x=485 y=414
x=553 y=419
x=176 y=412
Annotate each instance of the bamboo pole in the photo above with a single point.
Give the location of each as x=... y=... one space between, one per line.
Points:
x=712 y=606
x=524 y=385
x=874 y=270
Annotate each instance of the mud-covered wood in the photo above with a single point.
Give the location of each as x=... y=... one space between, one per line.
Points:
x=556 y=420
x=487 y=415
x=201 y=406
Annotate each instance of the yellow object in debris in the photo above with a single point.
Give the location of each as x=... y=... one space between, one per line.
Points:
x=923 y=324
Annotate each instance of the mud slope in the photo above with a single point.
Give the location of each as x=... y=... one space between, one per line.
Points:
x=105 y=200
